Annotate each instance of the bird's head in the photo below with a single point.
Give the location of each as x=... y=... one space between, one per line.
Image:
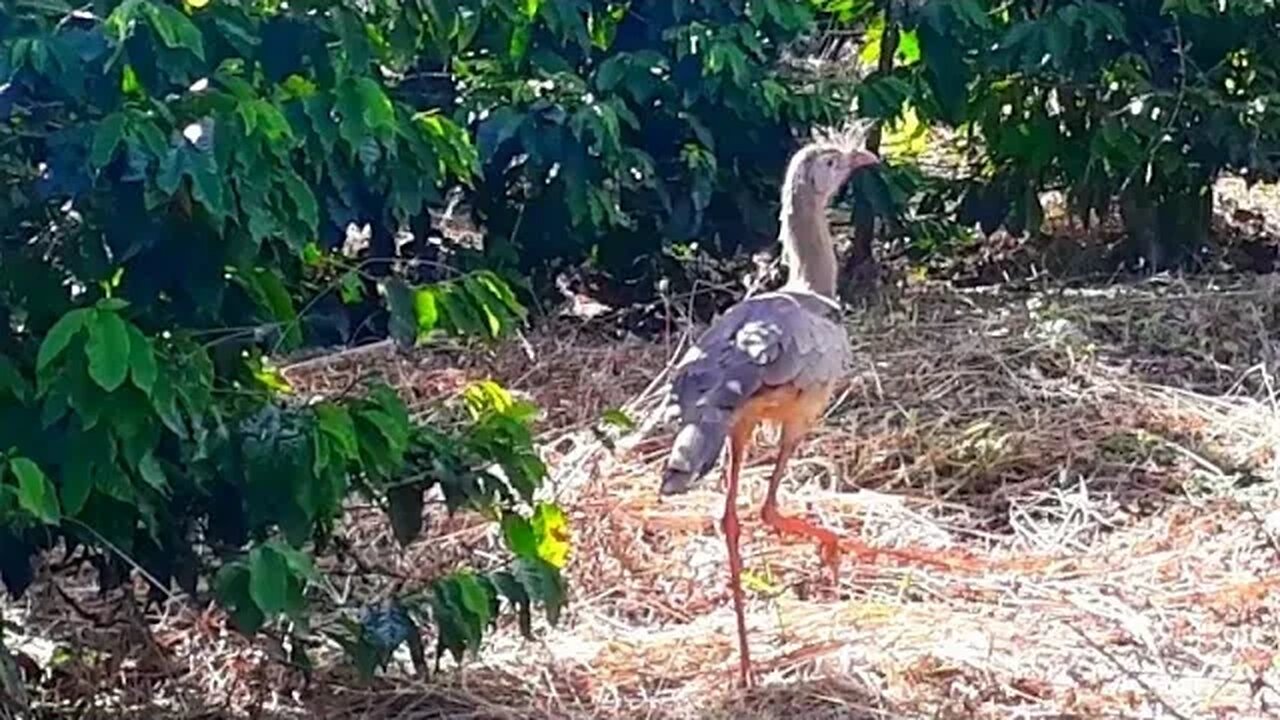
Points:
x=823 y=167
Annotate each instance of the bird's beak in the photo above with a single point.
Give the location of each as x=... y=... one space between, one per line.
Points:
x=859 y=159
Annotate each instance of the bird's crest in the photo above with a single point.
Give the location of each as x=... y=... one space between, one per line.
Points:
x=851 y=135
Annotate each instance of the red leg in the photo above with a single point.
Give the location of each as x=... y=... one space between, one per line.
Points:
x=732 y=531
x=828 y=541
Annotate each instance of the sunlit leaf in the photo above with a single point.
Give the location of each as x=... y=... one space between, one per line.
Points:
x=618 y=419
x=551 y=527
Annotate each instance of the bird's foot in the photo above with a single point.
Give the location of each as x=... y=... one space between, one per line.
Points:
x=832 y=547
x=829 y=550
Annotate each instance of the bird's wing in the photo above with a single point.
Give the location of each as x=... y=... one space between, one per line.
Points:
x=770 y=340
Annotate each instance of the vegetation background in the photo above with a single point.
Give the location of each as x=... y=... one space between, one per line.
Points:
x=207 y=203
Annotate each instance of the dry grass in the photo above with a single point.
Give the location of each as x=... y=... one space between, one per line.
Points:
x=1094 y=451
x=1108 y=459
x=1088 y=450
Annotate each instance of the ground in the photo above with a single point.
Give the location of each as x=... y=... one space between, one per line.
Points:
x=1097 y=460
x=1101 y=464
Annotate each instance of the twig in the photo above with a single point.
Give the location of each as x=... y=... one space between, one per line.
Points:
x=1119 y=665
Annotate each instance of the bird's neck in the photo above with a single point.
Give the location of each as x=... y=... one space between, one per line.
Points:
x=807 y=246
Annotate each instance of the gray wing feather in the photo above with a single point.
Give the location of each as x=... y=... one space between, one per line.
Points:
x=768 y=340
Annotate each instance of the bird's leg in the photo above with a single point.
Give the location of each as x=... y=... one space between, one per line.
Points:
x=737 y=449
x=828 y=541
x=830 y=544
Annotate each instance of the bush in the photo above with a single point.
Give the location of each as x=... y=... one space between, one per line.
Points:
x=1138 y=102
x=609 y=131
x=175 y=179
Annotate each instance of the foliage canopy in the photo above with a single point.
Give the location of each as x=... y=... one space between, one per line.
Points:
x=1140 y=103
x=177 y=182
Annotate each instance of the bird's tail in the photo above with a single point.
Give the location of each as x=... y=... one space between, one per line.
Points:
x=694 y=453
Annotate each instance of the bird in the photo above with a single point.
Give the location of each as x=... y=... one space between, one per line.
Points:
x=774 y=357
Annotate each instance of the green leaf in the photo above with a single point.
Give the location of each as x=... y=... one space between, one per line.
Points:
x=77 y=481
x=174 y=28
x=460 y=627
x=108 y=350
x=455 y=308
x=164 y=398
x=425 y=309
x=489 y=304
x=514 y=591
x=378 y=111
x=36 y=493
x=519 y=45
x=394 y=429
x=947 y=73
x=336 y=423
x=611 y=72
x=299 y=562
x=544 y=583
x=268 y=580
x=142 y=361
x=130 y=84
x=618 y=419
x=474 y=597
x=279 y=302
x=106 y=138
x=112 y=304
x=232 y=588
x=153 y=474
x=1058 y=40
x=455 y=633
x=303 y=199
x=403 y=306
x=502 y=290
x=207 y=184
x=60 y=335
x=12 y=381
x=519 y=535
x=351 y=287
